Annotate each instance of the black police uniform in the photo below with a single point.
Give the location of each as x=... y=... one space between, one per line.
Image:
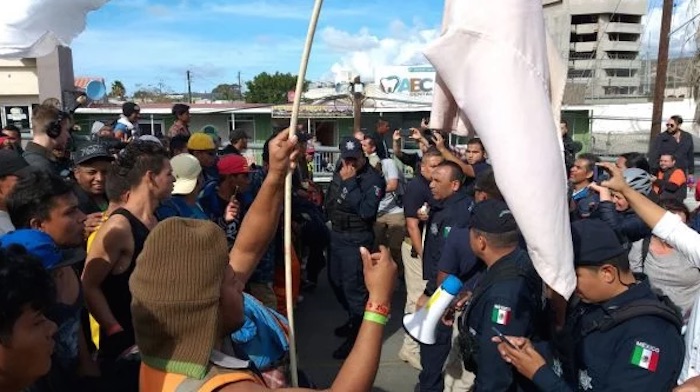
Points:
x=448 y=214
x=352 y=209
x=508 y=298
x=417 y=193
x=640 y=353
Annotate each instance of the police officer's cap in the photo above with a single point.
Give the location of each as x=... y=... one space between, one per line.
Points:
x=595 y=243
x=492 y=216
x=350 y=148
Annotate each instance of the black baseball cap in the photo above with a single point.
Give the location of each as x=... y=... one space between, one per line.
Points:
x=350 y=148
x=12 y=163
x=595 y=243
x=91 y=152
x=492 y=216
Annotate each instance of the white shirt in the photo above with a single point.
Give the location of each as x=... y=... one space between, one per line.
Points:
x=390 y=203
x=687 y=241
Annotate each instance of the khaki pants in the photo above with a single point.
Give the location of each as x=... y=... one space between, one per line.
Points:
x=390 y=230
x=456 y=378
x=415 y=285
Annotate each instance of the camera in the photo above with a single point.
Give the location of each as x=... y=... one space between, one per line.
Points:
x=600 y=175
x=405 y=132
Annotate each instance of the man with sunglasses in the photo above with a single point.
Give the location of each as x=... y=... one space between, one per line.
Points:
x=677 y=142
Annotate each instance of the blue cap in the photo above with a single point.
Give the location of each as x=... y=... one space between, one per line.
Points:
x=350 y=148
x=42 y=246
x=452 y=284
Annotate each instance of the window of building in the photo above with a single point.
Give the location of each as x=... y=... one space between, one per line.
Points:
x=617 y=55
x=620 y=73
x=154 y=128
x=580 y=73
x=18 y=116
x=584 y=19
x=623 y=37
x=581 y=55
x=622 y=18
x=246 y=123
x=583 y=37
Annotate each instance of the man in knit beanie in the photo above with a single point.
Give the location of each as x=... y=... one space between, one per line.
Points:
x=177 y=306
x=188 y=299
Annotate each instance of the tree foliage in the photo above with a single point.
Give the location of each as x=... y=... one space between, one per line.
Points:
x=227 y=92
x=118 y=90
x=157 y=93
x=271 y=88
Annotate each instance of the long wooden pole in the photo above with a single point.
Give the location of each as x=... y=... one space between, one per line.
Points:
x=661 y=71
x=288 y=194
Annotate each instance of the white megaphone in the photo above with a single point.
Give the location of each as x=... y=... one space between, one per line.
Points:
x=421 y=325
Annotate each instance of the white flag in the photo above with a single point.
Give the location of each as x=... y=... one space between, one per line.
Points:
x=33 y=28
x=494 y=61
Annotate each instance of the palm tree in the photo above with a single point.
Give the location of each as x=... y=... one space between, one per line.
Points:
x=118 y=90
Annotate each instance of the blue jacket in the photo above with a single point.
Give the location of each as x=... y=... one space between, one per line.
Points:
x=177 y=206
x=641 y=354
x=629 y=226
x=263 y=335
x=586 y=202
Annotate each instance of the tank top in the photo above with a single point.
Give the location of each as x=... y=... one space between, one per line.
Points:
x=116 y=286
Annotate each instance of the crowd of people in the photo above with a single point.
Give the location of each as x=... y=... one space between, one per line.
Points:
x=138 y=262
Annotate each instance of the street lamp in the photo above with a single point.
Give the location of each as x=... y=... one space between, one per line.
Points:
x=357 y=89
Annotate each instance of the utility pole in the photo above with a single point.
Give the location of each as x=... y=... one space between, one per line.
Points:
x=240 y=87
x=357 y=92
x=661 y=71
x=189 y=86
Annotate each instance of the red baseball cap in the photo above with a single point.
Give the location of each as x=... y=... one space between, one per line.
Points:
x=233 y=164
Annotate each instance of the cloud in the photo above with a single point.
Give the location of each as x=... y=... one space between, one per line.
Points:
x=343 y=41
x=267 y=9
x=683 y=40
x=402 y=45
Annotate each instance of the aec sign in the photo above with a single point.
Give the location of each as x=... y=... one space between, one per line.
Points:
x=407 y=81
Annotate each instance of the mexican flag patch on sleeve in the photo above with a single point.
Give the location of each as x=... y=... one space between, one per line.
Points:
x=645 y=356
x=500 y=314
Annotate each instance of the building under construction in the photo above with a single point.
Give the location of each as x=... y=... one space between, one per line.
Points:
x=601 y=41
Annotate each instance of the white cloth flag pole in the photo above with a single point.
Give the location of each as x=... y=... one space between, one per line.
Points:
x=288 y=193
x=498 y=75
x=33 y=28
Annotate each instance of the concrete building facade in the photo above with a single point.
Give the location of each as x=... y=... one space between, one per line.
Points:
x=601 y=42
x=25 y=83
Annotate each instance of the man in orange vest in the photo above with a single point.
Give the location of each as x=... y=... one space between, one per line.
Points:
x=670 y=180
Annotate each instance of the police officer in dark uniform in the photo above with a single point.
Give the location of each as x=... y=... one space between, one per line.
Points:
x=508 y=299
x=351 y=205
x=450 y=212
x=624 y=336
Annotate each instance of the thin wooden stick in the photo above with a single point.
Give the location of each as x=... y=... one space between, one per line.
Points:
x=288 y=195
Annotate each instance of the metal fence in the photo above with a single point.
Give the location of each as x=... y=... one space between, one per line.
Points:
x=325 y=159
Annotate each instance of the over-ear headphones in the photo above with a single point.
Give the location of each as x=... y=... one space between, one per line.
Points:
x=53 y=130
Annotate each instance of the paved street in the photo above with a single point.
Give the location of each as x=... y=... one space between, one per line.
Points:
x=319 y=314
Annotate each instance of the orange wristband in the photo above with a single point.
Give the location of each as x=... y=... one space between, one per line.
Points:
x=377 y=308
